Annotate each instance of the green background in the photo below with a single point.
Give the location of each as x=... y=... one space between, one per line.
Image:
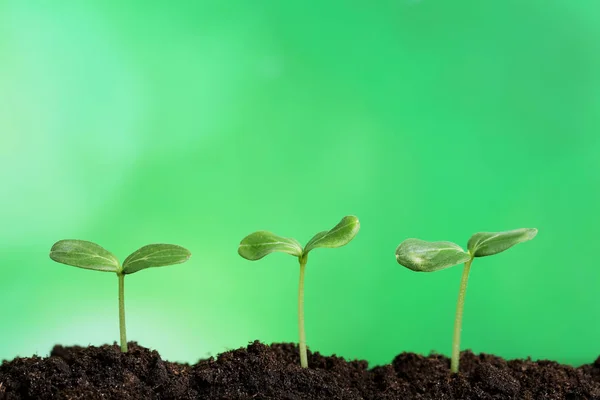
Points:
x=196 y=123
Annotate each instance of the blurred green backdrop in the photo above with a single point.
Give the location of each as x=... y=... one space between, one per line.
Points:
x=197 y=123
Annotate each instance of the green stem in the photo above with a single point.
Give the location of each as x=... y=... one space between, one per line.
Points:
x=122 y=328
x=302 y=333
x=458 y=320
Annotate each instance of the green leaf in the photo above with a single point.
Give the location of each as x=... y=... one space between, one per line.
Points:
x=488 y=243
x=338 y=236
x=83 y=254
x=258 y=244
x=155 y=255
x=421 y=256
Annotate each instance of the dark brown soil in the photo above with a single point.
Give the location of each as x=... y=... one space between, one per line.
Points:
x=272 y=372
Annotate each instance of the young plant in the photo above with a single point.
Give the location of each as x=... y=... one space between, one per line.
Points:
x=421 y=256
x=88 y=255
x=258 y=244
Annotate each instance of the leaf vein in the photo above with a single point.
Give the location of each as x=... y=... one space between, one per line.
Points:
x=89 y=255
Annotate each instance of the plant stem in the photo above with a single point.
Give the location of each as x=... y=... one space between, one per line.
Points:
x=302 y=333
x=458 y=319
x=122 y=328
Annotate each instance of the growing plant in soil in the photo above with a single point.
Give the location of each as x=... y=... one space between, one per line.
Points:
x=259 y=244
x=88 y=255
x=421 y=256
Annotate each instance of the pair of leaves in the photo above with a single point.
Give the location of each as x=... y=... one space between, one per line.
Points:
x=88 y=255
x=419 y=255
x=259 y=244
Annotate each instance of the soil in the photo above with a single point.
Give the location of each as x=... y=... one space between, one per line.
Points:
x=273 y=372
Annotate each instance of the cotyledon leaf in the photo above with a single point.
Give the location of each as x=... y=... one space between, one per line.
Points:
x=338 y=236
x=422 y=256
x=84 y=254
x=258 y=244
x=155 y=255
x=489 y=243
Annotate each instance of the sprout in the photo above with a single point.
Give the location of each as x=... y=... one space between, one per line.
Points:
x=258 y=244
x=421 y=256
x=88 y=255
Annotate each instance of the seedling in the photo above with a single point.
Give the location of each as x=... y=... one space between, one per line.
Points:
x=258 y=244
x=421 y=256
x=88 y=255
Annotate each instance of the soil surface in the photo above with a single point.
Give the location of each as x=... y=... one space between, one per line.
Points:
x=273 y=372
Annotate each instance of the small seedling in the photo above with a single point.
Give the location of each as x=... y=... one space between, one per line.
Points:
x=421 y=256
x=88 y=255
x=258 y=244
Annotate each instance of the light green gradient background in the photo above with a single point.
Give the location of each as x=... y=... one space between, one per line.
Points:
x=197 y=124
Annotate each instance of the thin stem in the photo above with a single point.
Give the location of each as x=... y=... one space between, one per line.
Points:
x=458 y=320
x=302 y=333
x=122 y=328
